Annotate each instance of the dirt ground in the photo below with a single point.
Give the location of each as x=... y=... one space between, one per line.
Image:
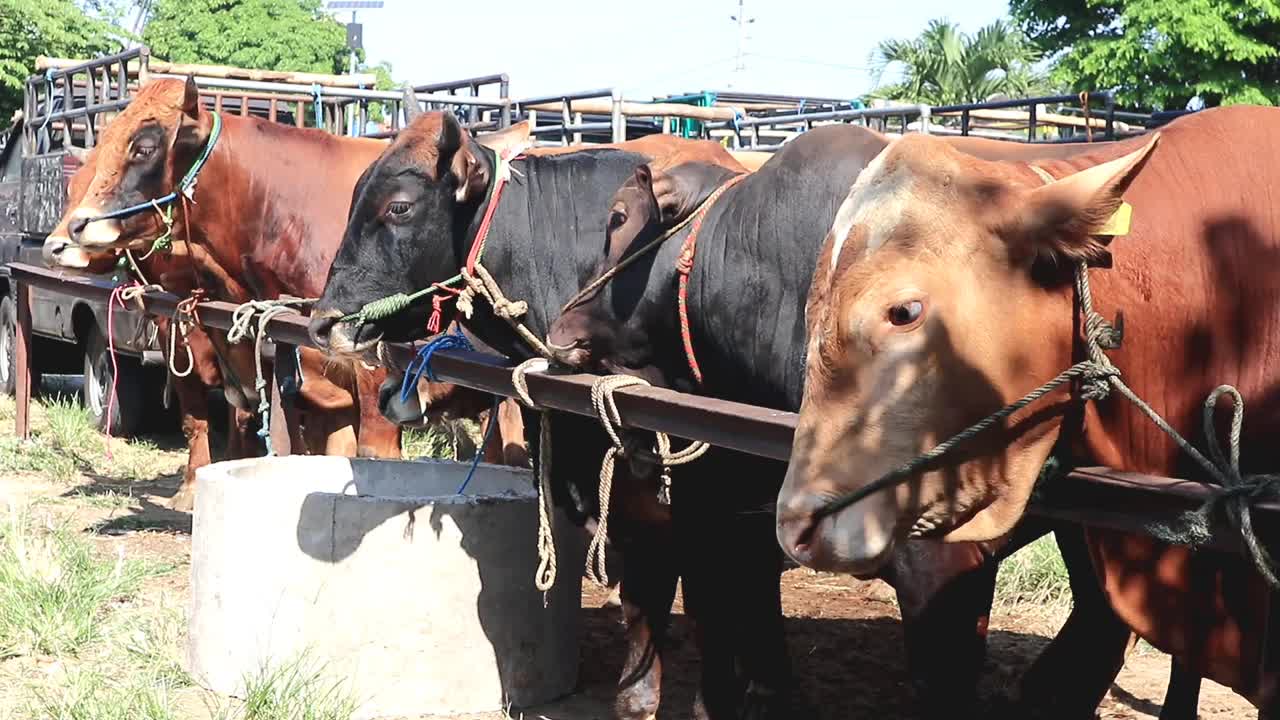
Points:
x=844 y=634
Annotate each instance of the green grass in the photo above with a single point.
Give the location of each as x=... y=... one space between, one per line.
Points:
x=96 y=695
x=66 y=444
x=437 y=441
x=294 y=690
x=1034 y=576
x=55 y=589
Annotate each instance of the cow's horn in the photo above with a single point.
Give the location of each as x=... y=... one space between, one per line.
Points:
x=411 y=107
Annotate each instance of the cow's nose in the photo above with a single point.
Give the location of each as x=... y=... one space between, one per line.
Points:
x=59 y=252
x=797 y=526
x=77 y=226
x=321 y=324
x=575 y=353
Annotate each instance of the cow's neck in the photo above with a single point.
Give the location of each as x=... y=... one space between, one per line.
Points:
x=755 y=259
x=546 y=237
x=271 y=207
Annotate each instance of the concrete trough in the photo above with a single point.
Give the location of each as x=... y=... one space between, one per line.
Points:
x=421 y=600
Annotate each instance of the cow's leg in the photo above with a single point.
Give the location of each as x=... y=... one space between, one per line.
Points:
x=642 y=528
x=193 y=403
x=510 y=432
x=376 y=436
x=765 y=661
x=341 y=437
x=1069 y=679
x=731 y=583
x=944 y=623
x=1182 y=698
x=242 y=438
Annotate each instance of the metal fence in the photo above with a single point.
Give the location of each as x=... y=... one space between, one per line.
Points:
x=1095 y=497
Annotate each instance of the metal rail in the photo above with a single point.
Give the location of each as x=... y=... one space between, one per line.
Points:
x=1093 y=496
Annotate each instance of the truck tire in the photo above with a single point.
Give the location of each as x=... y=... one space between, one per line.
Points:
x=130 y=382
x=8 y=346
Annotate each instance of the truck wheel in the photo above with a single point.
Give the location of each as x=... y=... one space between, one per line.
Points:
x=8 y=346
x=126 y=413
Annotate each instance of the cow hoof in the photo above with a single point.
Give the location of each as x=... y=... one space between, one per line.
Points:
x=184 y=500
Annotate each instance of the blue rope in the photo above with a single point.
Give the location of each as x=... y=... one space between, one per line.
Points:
x=421 y=364
x=475 y=461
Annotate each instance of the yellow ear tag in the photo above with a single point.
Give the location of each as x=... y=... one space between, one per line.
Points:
x=1118 y=223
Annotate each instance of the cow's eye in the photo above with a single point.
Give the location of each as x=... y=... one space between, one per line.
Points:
x=617 y=219
x=143 y=150
x=906 y=313
x=399 y=209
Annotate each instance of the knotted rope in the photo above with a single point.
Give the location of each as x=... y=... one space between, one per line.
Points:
x=545 y=578
x=242 y=328
x=606 y=407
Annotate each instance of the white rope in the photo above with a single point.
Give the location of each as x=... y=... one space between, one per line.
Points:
x=242 y=328
x=545 y=578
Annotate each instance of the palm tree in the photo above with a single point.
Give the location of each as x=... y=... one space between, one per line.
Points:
x=944 y=66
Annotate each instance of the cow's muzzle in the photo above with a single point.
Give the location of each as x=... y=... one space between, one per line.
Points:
x=576 y=354
x=336 y=336
x=60 y=252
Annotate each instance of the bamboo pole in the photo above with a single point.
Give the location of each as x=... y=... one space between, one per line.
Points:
x=1042 y=118
x=604 y=106
x=223 y=71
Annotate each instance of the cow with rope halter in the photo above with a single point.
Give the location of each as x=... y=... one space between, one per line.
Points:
x=959 y=329
x=678 y=298
x=503 y=238
x=238 y=209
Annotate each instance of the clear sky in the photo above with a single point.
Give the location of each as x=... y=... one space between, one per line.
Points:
x=648 y=47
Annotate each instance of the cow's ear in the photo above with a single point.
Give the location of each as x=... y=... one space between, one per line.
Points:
x=644 y=177
x=191 y=98
x=459 y=156
x=472 y=175
x=1065 y=219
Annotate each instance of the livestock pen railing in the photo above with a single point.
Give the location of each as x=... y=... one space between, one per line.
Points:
x=1091 y=496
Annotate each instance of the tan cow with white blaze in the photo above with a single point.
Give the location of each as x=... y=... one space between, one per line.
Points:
x=946 y=290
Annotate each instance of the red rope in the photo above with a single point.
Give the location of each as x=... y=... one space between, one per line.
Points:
x=473 y=256
x=684 y=266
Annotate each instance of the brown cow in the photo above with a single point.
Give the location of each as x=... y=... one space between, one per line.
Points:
x=944 y=291
x=263 y=223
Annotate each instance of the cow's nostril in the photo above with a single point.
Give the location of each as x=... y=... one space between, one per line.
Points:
x=319 y=328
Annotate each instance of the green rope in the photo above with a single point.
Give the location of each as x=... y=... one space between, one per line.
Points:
x=385 y=307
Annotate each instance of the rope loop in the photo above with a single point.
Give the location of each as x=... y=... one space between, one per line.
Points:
x=606 y=409
x=421 y=363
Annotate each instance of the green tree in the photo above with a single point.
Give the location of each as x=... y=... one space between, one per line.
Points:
x=45 y=27
x=944 y=65
x=276 y=34
x=1161 y=53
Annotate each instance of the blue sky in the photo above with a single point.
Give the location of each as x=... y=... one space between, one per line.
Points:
x=813 y=47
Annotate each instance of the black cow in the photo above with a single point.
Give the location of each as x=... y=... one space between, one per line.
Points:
x=755 y=255
x=414 y=216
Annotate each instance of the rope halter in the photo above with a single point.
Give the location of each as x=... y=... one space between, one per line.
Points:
x=163 y=206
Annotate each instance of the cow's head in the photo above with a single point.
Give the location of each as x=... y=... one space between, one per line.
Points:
x=612 y=328
x=58 y=250
x=140 y=156
x=943 y=292
x=410 y=217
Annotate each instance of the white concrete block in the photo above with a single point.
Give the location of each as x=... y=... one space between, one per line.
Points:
x=422 y=599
